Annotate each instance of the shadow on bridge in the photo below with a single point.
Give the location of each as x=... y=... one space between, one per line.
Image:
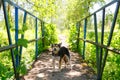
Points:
x=42 y=69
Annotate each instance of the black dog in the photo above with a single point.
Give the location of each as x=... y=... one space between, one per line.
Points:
x=62 y=52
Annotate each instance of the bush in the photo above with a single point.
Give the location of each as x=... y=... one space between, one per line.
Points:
x=50 y=37
x=73 y=38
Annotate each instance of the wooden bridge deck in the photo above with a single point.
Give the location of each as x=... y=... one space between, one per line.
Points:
x=42 y=69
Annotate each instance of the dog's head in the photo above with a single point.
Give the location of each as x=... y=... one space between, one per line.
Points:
x=55 y=48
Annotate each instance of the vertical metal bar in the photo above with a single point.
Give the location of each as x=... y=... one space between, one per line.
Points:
x=16 y=39
x=102 y=40
x=22 y=36
x=84 y=43
x=110 y=36
x=36 y=37
x=78 y=32
x=16 y=34
x=9 y=36
x=97 y=48
x=42 y=29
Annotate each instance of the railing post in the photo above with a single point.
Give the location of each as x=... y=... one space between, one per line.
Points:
x=110 y=36
x=36 y=37
x=102 y=40
x=97 y=48
x=9 y=36
x=42 y=29
x=22 y=35
x=78 y=33
x=16 y=39
x=84 y=43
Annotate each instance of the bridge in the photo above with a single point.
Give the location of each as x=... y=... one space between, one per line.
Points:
x=41 y=66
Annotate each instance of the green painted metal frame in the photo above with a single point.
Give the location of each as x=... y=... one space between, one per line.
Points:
x=100 y=61
x=22 y=35
x=96 y=41
x=42 y=29
x=110 y=36
x=84 y=43
x=16 y=60
x=9 y=37
x=36 y=37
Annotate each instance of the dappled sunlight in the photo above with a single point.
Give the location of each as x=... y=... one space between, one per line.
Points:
x=73 y=73
x=43 y=69
x=29 y=27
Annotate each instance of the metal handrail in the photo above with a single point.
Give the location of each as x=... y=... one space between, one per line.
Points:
x=4 y=48
x=15 y=5
x=100 y=58
x=116 y=51
x=16 y=59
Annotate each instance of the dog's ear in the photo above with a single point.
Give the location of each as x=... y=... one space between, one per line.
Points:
x=60 y=44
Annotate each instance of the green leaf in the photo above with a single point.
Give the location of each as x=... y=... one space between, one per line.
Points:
x=23 y=69
x=24 y=28
x=22 y=42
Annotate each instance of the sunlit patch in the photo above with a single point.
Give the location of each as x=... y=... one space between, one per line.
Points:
x=41 y=75
x=73 y=73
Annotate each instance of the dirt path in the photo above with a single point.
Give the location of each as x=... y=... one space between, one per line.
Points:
x=43 y=70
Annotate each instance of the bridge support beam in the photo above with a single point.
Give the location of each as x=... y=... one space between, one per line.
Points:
x=84 y=43
x=22 y=35
x=36 y=37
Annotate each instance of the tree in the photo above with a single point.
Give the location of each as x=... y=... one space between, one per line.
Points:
x=78 y=9
x=44 y=9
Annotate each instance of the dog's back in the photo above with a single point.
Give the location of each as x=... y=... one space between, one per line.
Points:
x=63 y=51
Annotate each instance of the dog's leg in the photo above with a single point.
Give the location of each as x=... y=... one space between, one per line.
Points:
x=53 y=63
x=70 y=64
x=67 y=61
x=60 y=62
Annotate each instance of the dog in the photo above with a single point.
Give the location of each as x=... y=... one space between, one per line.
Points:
x=62 y=52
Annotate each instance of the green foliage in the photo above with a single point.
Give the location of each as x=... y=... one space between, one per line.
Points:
x=24 y=28
x=5 y=72
x=22 y=69
x=22 y=42
x=44 y=9
x=78 y=9
x=6 y=68
x=116 y=39
x=50 y=34
x=3 y=40
x=50 y=37
x=73 y=38
x=112 y=70
x=118 y=19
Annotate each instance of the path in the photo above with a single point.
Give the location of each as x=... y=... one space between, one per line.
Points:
x=42 y=69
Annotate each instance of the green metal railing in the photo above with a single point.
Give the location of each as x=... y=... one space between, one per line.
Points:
x=99 y=46
x=16 y=59
x=100 y=61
